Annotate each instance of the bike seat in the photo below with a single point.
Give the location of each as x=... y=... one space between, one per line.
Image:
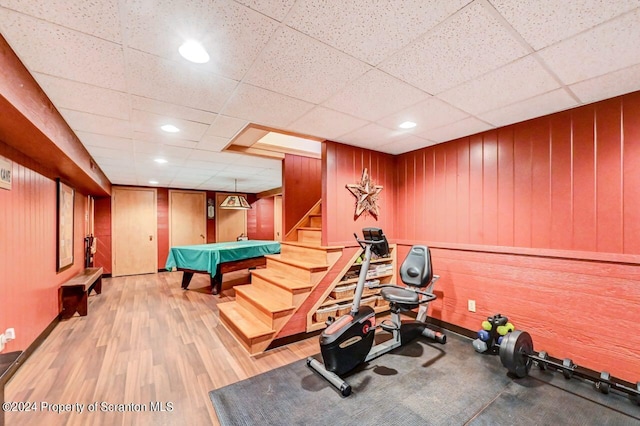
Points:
x=399 y=295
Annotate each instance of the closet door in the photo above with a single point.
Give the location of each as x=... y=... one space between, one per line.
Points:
x=134 y=227
x=187 y=218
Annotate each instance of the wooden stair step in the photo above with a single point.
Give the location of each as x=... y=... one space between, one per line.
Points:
x=311 y=267
x=243 y=322
x=309 y=228
x=262 y=299
x=313 y=247
x=281 y=280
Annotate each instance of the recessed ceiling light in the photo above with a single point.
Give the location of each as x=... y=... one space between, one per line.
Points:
x=170 y=128
x=407 y=125
x=153 y=182
x=193 y=51
x=160 y=161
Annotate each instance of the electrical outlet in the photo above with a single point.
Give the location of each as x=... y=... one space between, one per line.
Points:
x=1 y=342
x=472 y=305
x=10 y=334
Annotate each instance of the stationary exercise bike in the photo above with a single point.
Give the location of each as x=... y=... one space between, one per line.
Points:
x=348 y=341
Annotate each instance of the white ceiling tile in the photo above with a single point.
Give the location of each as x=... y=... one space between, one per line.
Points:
x=369 y=31
x=124 y=162
x=212 y=143
x=375 y=95
x=226 y=127
x=172 y=110
x=544 y=22
x=97 y=18
x=104 y=141
x=232 y=34
x=606 y=48
x=264 y=107
x=204 y=165
x=548 y=103
x=182 y=83
x=428 y=114
x=82 y=97
x=91 y=123
x=277 y=9
x=299 y=66
x=371 y=136
x=609 y=85
x=149 y=150
x=469 y=44
x=164 y=140
x=465 y=127
x=58 y=51
x=115 y=154
x=405 y=144
x=514 y=82
x=148 y=122
x=326 y=123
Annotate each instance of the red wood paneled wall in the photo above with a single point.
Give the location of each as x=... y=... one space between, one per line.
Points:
x=28 y=278
x=342 y=165
x=260 y=219
x=102 y=232
x=301 y=187
x=538 y=221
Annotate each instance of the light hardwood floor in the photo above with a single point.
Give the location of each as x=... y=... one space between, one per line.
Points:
x=144 y=340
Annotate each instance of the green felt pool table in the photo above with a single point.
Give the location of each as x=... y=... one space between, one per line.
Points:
x=219 y=258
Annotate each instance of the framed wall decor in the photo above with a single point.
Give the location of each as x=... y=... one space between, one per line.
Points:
x=66 y=201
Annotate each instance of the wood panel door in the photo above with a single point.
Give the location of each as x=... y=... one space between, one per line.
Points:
x=134 y=225
x=277 y=218
x=229 y=223
x=187 y=218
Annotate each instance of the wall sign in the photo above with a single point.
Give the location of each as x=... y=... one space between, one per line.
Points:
x=5 y=173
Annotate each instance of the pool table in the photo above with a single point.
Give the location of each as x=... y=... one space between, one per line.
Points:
x=219 y=258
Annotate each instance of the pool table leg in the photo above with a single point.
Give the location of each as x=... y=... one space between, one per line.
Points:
x=216 y=282
x=186 y=279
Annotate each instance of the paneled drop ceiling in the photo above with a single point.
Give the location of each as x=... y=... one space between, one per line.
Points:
x=347 y=71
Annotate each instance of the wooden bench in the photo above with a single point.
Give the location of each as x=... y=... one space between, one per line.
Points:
x=73 y=294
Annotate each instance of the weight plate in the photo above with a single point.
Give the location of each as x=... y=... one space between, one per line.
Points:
x=514 y=352
x=604 y=386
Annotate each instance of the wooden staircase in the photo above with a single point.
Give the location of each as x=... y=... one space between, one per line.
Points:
x=263 y=307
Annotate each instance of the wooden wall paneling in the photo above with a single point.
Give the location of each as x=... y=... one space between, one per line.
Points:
x=561 y=183
x=211 y=223
x=28 y=279
x=490 y=187
x=565 y=290
x=404 y=216
x=505 y=216
x=302 y=187
x=522 y=161
x=260 y=225
x=410 y=190
x=450 y=200
x=540 y=183
x=475 y=189
x=441 y=216
x=462 y=208
x=631 y=173
x=103 y=233
x=162 y=195
x=344 y=166
x=609 y=176
x=584 y=196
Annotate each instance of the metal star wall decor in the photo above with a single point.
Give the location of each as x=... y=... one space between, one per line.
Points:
x=366 y=193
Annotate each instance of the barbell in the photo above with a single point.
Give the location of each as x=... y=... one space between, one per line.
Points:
x=517 y=355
